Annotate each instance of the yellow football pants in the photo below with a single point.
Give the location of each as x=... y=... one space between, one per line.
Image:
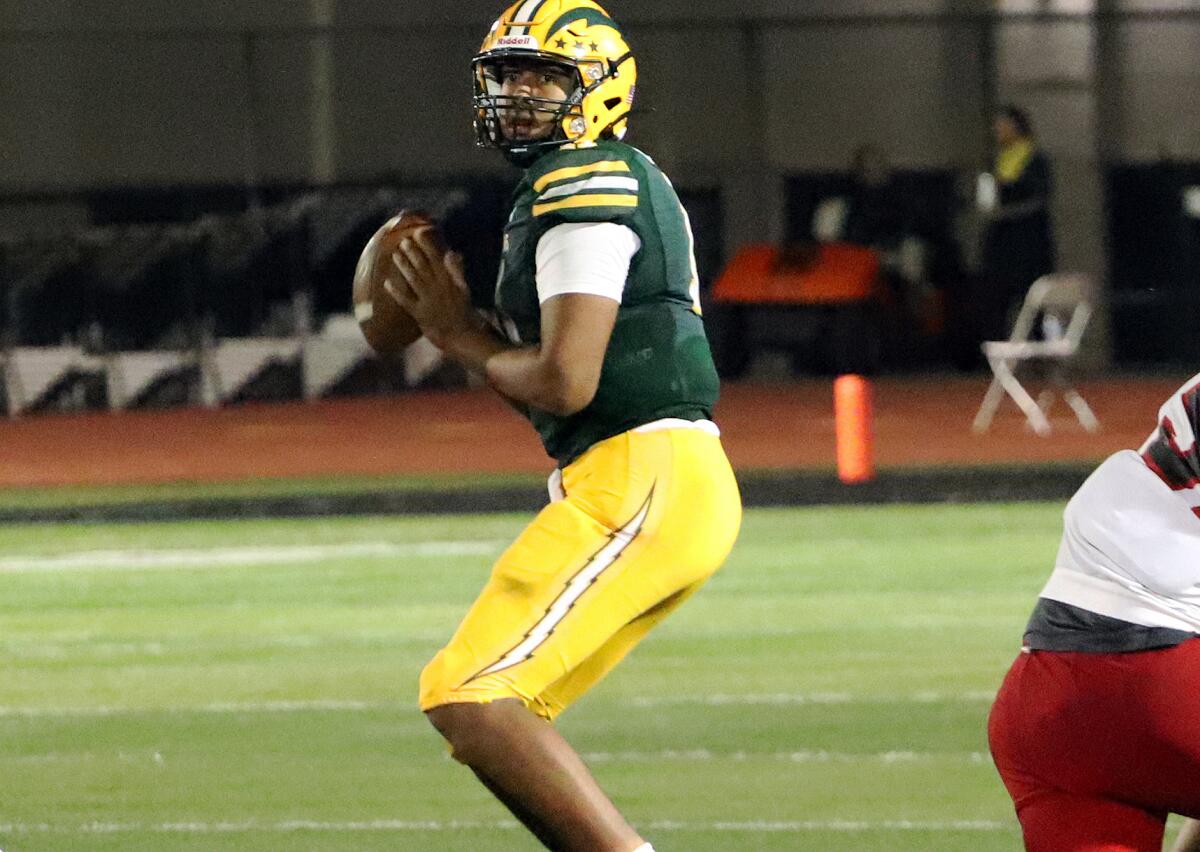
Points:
x=647 y=518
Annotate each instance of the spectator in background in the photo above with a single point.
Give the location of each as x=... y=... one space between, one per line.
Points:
x=1018 y=242
x=871 y=212
x=876 y=214
x=875 y=210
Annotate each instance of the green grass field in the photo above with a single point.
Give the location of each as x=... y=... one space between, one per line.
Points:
x=251 y=685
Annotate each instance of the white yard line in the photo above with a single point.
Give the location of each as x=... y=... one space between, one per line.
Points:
x=798 y=756
x=217 y=707
x=220 y=557
x=802 y=756
x=361 y=706
x=800 y=698
x=393 y=825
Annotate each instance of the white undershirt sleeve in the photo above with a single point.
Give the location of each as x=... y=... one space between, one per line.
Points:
x=585 y=257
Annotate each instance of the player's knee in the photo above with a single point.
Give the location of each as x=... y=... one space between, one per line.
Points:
x=443 y=721
x=448 y=713
x=441 y=684
x=465 y=728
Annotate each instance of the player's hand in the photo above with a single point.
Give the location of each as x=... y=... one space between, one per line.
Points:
x=432 y=287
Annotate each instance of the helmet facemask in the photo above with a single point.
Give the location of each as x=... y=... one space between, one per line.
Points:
x=524 y=125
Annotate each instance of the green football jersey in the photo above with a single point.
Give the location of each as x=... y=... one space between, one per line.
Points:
x=658 y=363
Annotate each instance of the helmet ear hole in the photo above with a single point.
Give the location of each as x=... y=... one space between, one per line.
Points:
x=612 y=103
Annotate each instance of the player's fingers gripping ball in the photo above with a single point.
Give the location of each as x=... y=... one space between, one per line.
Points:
x=385 y=324
x=430 y=286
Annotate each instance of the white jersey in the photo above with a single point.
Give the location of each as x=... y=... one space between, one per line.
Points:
x=1131 y=535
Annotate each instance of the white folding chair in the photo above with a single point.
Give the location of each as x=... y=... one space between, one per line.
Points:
x=1060 y=302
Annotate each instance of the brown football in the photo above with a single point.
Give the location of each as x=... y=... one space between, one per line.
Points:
x=387 y=327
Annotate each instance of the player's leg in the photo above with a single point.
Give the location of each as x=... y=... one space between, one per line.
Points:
x=508 y=728
x=690 y=543
x=1054 y=821
x=575 y=579
x=483 y=698
x=561 y=694
x=553 y=700
x=1081 y=748
x=1162 y=691
x=536 y=774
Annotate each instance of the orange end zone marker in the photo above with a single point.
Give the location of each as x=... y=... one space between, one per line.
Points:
x=852 y=422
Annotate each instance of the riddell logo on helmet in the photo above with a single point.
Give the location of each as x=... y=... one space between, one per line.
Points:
x=518 y=41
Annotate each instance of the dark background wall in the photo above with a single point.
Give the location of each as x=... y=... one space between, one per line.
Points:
x=737 y=96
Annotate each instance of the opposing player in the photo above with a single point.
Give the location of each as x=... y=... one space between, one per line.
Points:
x=1096 y=729
x=603 y=348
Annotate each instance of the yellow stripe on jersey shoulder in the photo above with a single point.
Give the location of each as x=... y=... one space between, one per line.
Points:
x=575 y=201
x=575 y=171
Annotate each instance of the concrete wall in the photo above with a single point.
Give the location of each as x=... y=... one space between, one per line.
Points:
x=163 y=92
x=156 y=91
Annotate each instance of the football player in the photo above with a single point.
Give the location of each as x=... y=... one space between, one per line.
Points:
x=1096 y=729
x=600 y=343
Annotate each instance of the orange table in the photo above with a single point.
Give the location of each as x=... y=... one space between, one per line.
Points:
x=824 y=274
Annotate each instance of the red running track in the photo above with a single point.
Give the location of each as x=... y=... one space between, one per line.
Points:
x=918 y=422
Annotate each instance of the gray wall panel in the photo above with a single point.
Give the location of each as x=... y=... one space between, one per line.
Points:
x=1160 y=98
x=1057 y=52
x=834 y=88
x=38 y=15
x=284 y=95
x=693 y=106
x=404 y=105
x=637 y=11
x=39 y=136
x=156 y=91
x=161 y=111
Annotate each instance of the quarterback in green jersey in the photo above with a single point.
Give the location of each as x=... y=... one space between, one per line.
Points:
x=599 y=341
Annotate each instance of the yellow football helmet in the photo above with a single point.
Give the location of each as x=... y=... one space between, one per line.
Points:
x=580 y=38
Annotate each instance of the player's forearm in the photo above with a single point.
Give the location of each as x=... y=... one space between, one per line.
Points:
x=528 y=376
x=471 y=343
x=520 y=374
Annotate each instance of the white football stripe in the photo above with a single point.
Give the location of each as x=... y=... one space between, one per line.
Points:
x=217 y=557
x=397 y=825
x=525 y=13
x=606 y=182
x=578 y=584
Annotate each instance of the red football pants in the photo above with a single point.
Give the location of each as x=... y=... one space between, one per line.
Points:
x=1097 y=749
